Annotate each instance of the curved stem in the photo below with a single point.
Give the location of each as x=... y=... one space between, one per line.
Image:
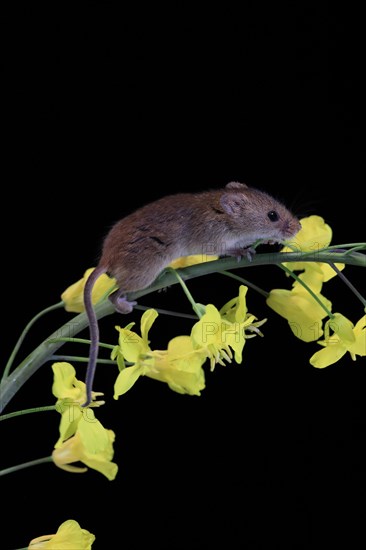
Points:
x=41 y=354
x=348 y=246
x=245 y=282
x=78 y=359
x=78 y=341
x=308 y=289
x=10 y=384
x=348 y=283
x=25 y=331
x=194 y=305
x=28 y=411
x=168 y=312
x=25 y=465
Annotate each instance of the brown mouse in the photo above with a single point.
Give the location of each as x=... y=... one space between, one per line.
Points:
x=222 y=222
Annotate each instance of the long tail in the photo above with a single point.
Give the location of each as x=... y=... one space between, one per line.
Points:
x=94 y=331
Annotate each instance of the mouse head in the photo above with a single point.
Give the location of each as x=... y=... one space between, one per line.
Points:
x=255 y=212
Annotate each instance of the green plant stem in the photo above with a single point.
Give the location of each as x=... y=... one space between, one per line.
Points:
x=349 y=284
x=41 y=354
x=28 y=411
x=78 y=341
x=78 y=359
x=24 y=333
x=308 y=289
x=347 y=247
x=194 y=305
x=245 y=282
x=168 y=312
x=18 y=467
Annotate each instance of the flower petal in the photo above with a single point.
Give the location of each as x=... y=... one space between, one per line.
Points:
x=303 y=313
x=126 y=379
x=131 y=344
x=69 y=536
x=71 y=415
x=73 y=296
x=359 y=346
x=313 y=235
x=63 y=378
x=147 y=320
x=94 y=437
x=343 y=328
x=236 y=309
x=186 y=261
x=327 y=356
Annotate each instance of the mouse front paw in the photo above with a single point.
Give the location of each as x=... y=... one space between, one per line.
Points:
x=120 y=302
x=240 y=253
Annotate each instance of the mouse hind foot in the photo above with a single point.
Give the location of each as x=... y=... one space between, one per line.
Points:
x=120 y=302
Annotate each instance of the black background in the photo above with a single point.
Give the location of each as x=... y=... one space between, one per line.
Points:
x=106 y=109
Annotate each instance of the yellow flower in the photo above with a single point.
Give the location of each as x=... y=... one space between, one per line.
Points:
x=136 y=350
x=180 y=366
x=235 y=310
x=71 y=395
x=345 y=337
x=220 y=332
x=69 y=536
x=314 y=235
x=301 y=310
x=92 y=444
x=67 y=386
x=298 y=306
x=186 y=261
x=73 y=295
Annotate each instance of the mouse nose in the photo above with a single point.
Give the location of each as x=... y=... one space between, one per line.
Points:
x=298 y=226
x=291 y=227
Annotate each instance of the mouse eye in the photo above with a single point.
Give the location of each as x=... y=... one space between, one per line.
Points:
x=273 y=216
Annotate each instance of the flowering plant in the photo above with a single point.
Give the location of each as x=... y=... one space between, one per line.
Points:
x=218 y=335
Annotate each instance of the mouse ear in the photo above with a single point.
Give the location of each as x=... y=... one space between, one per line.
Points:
x=236 y=185
x=233 y=203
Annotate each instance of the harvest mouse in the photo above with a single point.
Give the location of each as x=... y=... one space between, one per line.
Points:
x=224 y=222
